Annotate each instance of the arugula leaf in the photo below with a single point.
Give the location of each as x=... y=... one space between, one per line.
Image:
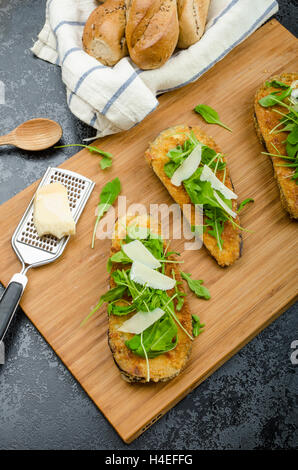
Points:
x=197 y=326
x=215 y=219
x=243 y=203
x=288 y=128
x=276 y=84
x=159 y=338
x=113 y=294
x=293 y=136
x=201 y=192
x=120 y=276
x=210 y=115
x=119 y=257
x=291 y=150
x=274 y=98
x=180 y=294
x=196 y=286
x=208 y=158
x=107 y=197
x=155 y=246
x=153 y=243
x=120 y=310
x=290 y=123
x=105 y=162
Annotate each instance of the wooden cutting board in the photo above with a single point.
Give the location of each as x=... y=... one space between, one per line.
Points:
x=246 y=297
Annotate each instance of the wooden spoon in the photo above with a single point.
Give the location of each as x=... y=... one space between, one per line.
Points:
x=36 y=134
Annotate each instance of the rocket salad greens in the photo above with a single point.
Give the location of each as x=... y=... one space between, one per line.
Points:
x=128 y=296
x=202 y=192
x=287 y=123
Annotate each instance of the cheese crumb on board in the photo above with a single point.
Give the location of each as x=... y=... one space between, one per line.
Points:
x=52 y=215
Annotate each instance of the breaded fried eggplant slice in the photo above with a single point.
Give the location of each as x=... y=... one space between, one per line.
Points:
x=165 y=366
x=266 y=119
x=157 y=157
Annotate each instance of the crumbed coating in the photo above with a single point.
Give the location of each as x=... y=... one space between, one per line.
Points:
x=265 y=120
x=156 y=155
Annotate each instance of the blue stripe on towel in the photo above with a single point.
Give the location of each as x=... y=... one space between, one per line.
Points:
x=250 y=30
x=70 y=23
x=93 y=119
x=86 y=74
x=82 y=78
x=49 y=3
x=119 y=92
x=70 y=51
x=151 y=111
x=223 y=12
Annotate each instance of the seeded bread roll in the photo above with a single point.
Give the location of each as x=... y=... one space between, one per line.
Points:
x=104 y=33
x=152 y=31
x=192 y=16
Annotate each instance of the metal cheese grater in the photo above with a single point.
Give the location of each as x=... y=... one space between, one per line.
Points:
x=34 y=251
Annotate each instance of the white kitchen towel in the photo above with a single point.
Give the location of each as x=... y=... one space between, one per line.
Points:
x=113 y=99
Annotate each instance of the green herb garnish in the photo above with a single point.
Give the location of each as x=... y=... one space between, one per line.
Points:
x=196 y=286
x=119 y=257
x=107 y=197
x=159 y=338
x=104 y=163
x=243 y=203
x=180 y=294
x=110 y=296
x=144 y=298
x=210 y=115
x=201 y=192
x=197 y=326
x=178 y=154
x=128 y=296
x=275 y=97
x=287 y=123
x=276 y=84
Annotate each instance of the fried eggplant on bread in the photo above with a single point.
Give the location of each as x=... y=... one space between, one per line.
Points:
x=205 y=180
x=149 y=336
x=276 y=122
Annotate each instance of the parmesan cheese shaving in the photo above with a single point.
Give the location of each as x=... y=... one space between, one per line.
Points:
x=224 y=206
x=208 y=175
x=188 y=167
x=136 y=251
x=141 y=321
x=147 y=276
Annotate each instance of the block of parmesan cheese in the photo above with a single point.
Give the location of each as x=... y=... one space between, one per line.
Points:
x=52 y=215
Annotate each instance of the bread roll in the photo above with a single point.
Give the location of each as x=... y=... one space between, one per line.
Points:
x=192 y=16
x=104 y=32
x=152 y=31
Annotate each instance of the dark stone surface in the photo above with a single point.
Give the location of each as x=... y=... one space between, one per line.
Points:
x=250 y=402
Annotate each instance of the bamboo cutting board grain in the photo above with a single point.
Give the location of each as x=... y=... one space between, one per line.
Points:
x=245 y=297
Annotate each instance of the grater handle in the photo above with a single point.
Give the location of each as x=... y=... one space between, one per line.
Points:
x=10 y=300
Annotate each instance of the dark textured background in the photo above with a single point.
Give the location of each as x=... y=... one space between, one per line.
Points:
x=249 y=403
